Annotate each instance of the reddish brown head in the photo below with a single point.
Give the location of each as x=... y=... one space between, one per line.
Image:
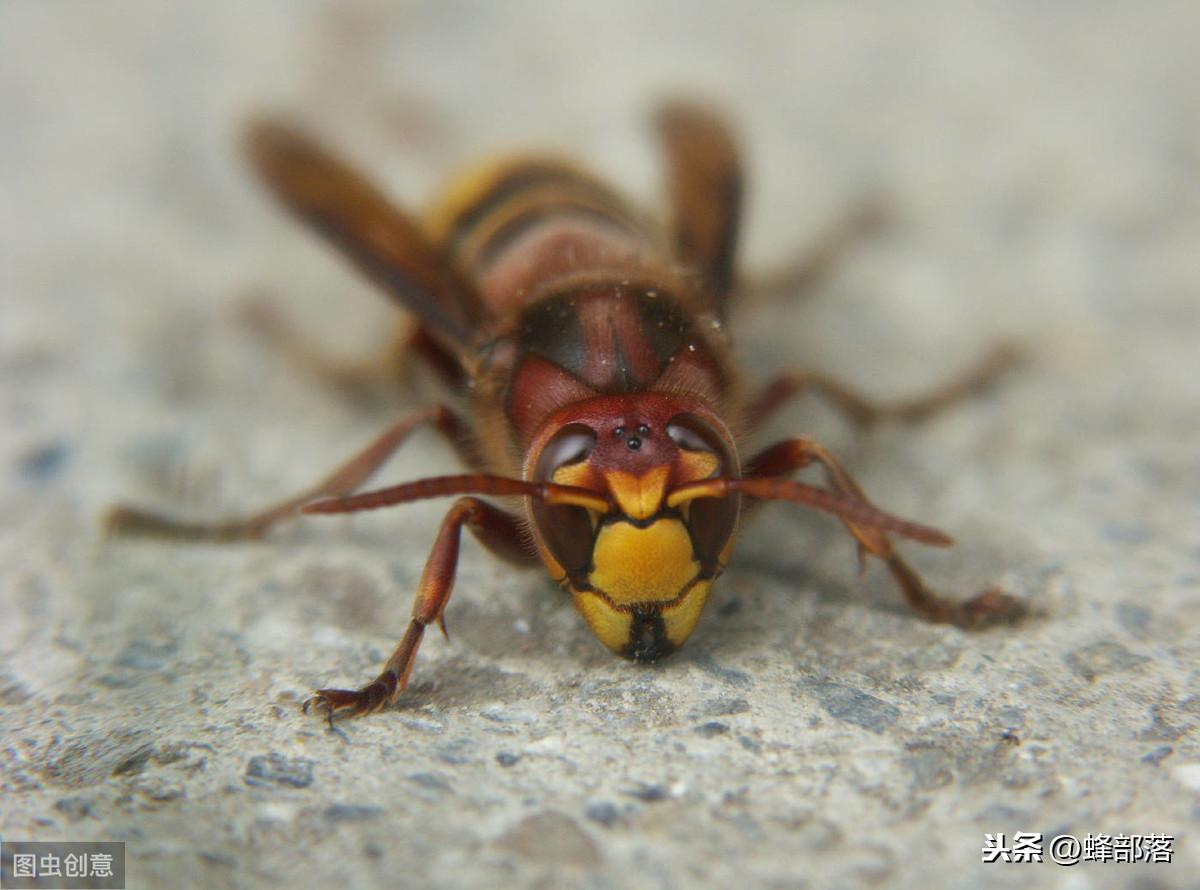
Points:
x=640 y=573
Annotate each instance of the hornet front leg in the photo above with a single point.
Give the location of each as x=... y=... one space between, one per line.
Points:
x=499 y=532
x=990 y=606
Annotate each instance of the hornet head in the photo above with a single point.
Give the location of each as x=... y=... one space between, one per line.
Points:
x=640 y=573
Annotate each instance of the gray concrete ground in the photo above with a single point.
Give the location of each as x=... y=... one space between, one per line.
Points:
x=1042 y=161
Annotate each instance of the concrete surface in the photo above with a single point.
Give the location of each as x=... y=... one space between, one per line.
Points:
x=1043 y=162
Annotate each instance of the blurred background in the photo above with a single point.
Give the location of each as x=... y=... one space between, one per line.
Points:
x=1040 y=165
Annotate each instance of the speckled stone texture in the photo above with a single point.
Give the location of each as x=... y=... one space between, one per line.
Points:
x=1042 y=162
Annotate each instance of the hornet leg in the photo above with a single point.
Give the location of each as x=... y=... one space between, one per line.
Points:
x=991 y=606
x=499 y=532
x=864 y=411
x=125 y=520
x=804 y=274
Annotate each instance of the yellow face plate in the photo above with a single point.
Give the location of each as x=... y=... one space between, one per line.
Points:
x=680 y=618
x=614 y=626
x=611 y=625
x=643 y=565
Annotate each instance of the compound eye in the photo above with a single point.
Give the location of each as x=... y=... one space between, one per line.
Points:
x=570 y=445
x=566 y=530
x=710 y=520
x=684 y=432
x=692 y=434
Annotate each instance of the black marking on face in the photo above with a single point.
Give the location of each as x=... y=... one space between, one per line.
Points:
x=647 y=635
